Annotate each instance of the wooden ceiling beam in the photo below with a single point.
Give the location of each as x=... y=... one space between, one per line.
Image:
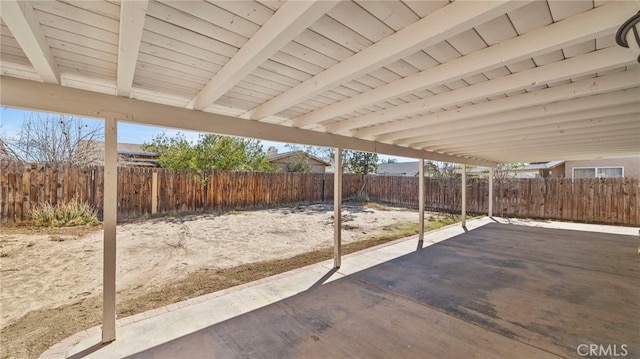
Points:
x=601 y=21
x=575 y=152
x=583 y=120
x=558 y=138
x=132 y=16
x=21 y=20
x=291 y=19
x=445 y=22
x=416 y=126
x=546 y=114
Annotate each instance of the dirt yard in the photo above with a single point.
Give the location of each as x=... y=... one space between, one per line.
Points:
x=43 y=272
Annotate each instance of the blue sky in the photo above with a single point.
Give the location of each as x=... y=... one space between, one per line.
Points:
x=11 y=122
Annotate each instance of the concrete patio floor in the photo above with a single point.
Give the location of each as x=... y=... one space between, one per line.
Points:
x=504 y=288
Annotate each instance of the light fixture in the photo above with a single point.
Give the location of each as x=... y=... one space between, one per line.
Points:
x=628 y=34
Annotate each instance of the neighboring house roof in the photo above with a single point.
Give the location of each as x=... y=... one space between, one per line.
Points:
x=279 y=157
x=475 y=170
x=399 y=168
x=124 y=148
x=540 y=166
x=130 y=154
x=532 y=167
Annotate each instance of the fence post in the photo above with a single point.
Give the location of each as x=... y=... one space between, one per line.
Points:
x=92 y=188
x=154 y=192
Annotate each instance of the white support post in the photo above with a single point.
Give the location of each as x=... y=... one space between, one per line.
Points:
x=337 y=209
x=491 y=192
x=421 y=200
x=464 y=195
x=109 y=220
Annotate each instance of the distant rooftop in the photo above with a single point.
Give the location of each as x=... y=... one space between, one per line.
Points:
x=399 y=168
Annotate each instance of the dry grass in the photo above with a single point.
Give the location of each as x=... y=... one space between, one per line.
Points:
x=65 y=214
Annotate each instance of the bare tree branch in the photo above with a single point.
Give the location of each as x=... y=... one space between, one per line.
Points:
x=57 y=139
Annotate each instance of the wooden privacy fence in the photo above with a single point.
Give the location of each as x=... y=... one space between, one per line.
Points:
x=592 y=200
x=440 y=194
x=144 y=191
x=22 y=186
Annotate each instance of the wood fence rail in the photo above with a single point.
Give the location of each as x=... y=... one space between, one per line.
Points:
x=22 y=186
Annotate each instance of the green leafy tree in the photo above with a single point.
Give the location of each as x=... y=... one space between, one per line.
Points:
x=210 y=152
x=298 y=162
x=215 y=152
x=323 y=153
x=175 y=153
x=360 y=162
x=353 y=161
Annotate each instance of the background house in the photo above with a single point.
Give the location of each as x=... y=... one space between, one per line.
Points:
x=399 y=169
x=129 y=154
x=600 y=168
x=540 y=170
x=412 y=169
x=610 y=167
x=286 y=159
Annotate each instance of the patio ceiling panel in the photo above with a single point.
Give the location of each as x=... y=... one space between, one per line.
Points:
x=565 y=134
x=497 y=30
x=356 y=18
x=531 y=17
x=204 y=19
x=533 y=144
x=237 y=100
x=14 y=61
x=561 y=10
x=494 y=127
x=554 y=125
x=512 y=52
x=249 y=10
x=400 y=75
x=564 y=69
x=394 y=14
x=559 y=123
x=577 y=97
x=290 y=20
x=22 y=20
x=432 y=29
x=296 y=63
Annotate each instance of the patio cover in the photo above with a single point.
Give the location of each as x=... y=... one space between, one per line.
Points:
x=472 y=82
x=476 y=82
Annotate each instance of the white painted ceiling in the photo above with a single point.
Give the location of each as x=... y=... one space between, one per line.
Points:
x=470 y=81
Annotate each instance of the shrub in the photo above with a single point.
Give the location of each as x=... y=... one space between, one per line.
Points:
x=72 y=213
x=360 y=197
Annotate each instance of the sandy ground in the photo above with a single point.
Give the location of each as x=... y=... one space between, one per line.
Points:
x=42 y=271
